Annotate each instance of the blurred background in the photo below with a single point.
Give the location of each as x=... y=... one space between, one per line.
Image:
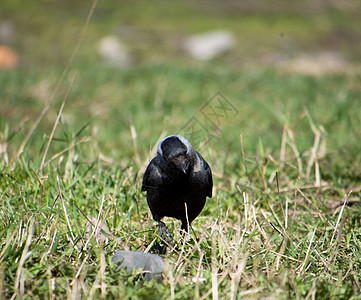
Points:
x=147 y=67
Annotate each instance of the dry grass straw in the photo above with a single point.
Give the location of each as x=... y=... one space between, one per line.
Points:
x=20 y=276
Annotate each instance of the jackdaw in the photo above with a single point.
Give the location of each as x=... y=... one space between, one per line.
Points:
x=177 y=182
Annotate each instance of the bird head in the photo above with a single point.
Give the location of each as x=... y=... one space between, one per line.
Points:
x=175 y=150
x=181 y=162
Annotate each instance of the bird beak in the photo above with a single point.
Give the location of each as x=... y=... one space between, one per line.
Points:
x=183 y=167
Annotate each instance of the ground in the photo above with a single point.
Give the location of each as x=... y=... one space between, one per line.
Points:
x=76 y=134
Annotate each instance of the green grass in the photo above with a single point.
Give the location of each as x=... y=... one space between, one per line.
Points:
x=292 y=244
x=252 y=241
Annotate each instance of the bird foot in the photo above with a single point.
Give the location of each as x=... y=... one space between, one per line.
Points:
x=165 y=234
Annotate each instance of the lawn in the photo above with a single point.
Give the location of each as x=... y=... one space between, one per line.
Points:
x=285 y=152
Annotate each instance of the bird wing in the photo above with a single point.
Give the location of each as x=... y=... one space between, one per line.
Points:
x=208 y=180
x=152 y=176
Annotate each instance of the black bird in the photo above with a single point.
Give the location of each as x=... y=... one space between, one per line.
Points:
x=177 y=182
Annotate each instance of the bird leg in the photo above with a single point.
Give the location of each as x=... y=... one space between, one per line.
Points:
x=165 y=234
x=185 y=229
x=184 y=226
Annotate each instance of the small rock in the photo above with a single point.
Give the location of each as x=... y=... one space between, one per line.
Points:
x=209 y=45
x=153 y=265
x=112 y=50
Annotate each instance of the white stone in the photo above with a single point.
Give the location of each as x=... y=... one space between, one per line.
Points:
x=209 y=45
x=112 y=50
